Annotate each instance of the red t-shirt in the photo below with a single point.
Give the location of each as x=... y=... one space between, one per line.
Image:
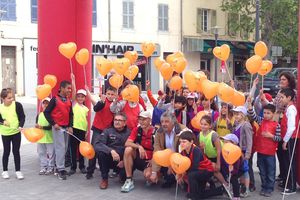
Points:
x=146 y=140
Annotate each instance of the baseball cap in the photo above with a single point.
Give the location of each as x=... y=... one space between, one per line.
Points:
x=145 y=114
x=241 y=109
x=81 y=91
x=192 y=95
x=231 y=137
x=46 y=99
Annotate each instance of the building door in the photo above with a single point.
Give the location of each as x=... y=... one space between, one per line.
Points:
x=9 y=73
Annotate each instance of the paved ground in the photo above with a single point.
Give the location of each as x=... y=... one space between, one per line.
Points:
x=37 y=187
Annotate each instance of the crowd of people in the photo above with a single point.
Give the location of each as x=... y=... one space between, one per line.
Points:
x=126 y=134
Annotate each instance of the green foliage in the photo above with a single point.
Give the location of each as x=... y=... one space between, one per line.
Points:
x=279 y=21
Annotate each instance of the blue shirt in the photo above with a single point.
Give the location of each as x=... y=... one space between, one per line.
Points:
x=169 y=139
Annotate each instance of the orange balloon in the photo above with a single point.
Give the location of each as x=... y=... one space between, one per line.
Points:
x=148 y=48
x=178 y=54
x=179 y=64
x=33 y=134
x=194 y=80
x=179 y=163
x=265 y=68
x=261 y=49
x=82 y=56
x=103 y=65
x=231 y=153
x=162 y=157
x=67 y=49
x=50 y=80
x=131 y=93
x=253 y=64
x=225 y=92
x=121 y=65
x=170 y=58
x=166 y=71
x=175 y=83
x=158 y=63
x=222 y=52
x=238 y=98
x=211 y=88
x=195 y=122
x=86 y=150
x=132 y=72
x=43 y=91
x=116 y=80
x=132 y=56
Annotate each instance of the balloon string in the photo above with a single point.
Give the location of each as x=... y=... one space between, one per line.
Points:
x=72 y=135
x=84 y=73
x=228 y=71
x=71 y=66
x=262 y=83
x=251 y=79
x=176 y=192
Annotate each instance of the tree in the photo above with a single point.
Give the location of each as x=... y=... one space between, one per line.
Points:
x=279 y=21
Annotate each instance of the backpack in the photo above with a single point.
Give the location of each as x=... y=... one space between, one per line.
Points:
x=140 y=135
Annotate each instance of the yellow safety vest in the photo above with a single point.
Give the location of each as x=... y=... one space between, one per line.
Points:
x=9 y=114
x=48 y=138
x=80 y=113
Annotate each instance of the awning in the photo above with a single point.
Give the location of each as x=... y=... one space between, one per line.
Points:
x=236 y=47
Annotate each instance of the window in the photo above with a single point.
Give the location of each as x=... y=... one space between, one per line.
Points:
x=8 y=10
x=34 y=11
x=128 y=13
x=94 y=19
x=206 y=19
x=163 y=17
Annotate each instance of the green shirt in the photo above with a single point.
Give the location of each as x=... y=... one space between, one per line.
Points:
x=48 y=138
x=80 y=113
x=9 y=114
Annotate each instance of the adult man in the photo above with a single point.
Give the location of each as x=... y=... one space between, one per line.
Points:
x=110 y=146
x=59 y=114
x=166 y=137
x=139 y=148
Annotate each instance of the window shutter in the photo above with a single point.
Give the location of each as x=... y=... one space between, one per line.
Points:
x=199 y=21
x=166 y=17
x=213 y=21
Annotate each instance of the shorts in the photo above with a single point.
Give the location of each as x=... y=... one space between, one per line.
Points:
x=140 y=164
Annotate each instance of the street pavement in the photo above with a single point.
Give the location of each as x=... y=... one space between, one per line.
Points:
x=36 y=187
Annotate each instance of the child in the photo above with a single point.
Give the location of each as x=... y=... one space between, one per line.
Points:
x=12 y=119
x=45 y=146
x=59 y=114
x=80 y=126
x=243 y=130
x=200 y=171
x=103 y=120
x=289 y=134
x=266 y=142
x=237 y=170
x=210 y=107
x=224 y=123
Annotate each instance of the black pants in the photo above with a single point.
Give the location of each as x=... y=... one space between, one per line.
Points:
x=197 y=183
x=234 y=180
x=170 y=178
x=287 y=158
x=16 y=143
x=74 y=145
x=106 y=163
x=92 y=162
x=280 y=155
x=251 y=173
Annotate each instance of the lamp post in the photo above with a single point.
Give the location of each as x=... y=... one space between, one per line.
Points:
x=215 y=30
x=257 y=10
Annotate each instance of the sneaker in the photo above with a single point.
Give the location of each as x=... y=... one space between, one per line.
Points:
x=128 y=186
x=43 y=171
x=262 y=193
x=103 y=184
x=5 y=175
x=55 y=172
x=62 y=175
x=245 y=194
x=252 y=188
x=89 y=176
x=113 y=175
x=268 y=194
x=49 y=171
x=227 y=190
x=83 y=171
x=19 y=175
x=71 y=172
x=288 y=192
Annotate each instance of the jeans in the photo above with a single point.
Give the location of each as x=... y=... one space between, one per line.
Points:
x=267 y=170
x=106 y=163
x=287 y=160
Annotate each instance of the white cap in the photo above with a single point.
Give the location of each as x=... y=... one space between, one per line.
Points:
x=145 y=114
x=241 y=109
x=81 y=91
x=46 y=99
x=192 y=95
x=231 y=137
